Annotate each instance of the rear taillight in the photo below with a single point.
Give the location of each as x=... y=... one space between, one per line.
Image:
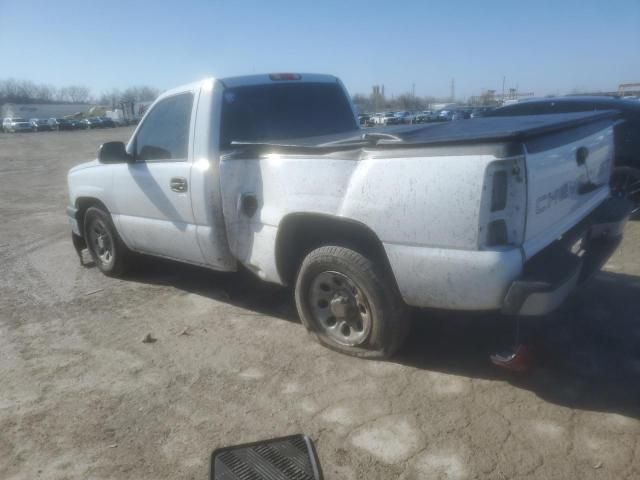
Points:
x=499 y=191
x=503 y=205
x=497 y=233
x=276 y=77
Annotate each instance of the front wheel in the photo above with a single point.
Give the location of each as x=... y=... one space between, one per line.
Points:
x=625 y=182
x=108 y=251
x=349 y=304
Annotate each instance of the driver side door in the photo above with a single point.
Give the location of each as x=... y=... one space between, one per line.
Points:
x=154 y=212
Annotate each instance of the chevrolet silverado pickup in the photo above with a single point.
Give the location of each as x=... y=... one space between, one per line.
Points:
x=272 y=173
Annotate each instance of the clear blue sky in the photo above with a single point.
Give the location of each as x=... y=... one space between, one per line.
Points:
x=541 y=46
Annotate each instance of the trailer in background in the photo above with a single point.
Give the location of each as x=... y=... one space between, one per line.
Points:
x=128 y=113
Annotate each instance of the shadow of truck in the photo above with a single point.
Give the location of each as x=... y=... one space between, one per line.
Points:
x=588 y=353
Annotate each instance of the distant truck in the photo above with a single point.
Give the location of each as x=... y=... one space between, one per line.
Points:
x=273 y=173
x=117 y=117
x=128 y=113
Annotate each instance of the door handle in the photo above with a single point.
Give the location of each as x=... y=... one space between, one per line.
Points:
x=178 y=184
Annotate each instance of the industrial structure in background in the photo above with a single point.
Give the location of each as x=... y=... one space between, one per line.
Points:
x=629 y=89
x=491 y=98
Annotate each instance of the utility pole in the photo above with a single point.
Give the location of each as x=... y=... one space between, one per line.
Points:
x=413 y=90
x=503 y=80
x=453 y=89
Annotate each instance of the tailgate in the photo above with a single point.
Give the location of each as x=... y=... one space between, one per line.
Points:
x=567 y=177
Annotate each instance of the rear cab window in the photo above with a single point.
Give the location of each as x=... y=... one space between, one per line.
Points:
x=284 y=111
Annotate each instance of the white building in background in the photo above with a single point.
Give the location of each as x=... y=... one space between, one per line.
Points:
x=43 y=110
x=443 y=106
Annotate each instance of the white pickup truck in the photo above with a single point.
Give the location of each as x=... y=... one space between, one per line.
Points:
x=273 y=173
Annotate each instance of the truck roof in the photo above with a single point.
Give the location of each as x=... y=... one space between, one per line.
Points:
x=260 y=79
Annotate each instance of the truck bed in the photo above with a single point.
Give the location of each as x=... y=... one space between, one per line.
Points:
x=478 y=130
x=495 y=129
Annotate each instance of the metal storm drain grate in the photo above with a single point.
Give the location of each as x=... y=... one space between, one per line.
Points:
x=287 y=458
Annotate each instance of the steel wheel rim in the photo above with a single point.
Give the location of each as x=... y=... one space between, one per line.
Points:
x=101 y=242
x=625 y=185
x=340 y=308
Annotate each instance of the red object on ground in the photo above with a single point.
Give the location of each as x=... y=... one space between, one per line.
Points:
x=520 y=360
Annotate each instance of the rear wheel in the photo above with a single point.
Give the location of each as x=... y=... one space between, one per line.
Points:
x=107 y=249
x=625 y=183
x=350 y=304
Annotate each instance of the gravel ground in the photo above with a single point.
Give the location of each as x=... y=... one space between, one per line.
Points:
x=82 y=397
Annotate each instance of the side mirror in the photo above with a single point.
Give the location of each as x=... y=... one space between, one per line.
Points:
x=113 y=152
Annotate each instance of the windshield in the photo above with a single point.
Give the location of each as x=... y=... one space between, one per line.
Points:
x=284 y=111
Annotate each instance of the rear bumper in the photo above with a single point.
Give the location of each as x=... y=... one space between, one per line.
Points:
x=550 y=276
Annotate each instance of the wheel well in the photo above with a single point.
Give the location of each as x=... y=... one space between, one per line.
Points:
x=82 y=204
x=300 y=233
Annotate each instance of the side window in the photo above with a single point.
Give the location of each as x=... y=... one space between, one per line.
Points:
x=164 y=135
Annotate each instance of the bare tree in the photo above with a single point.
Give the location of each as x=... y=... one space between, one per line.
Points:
x=44 y=93
x=139 y=94
x=110 y=98
x=25 y=91
x=362 y=103
x=407 y=101
x=62 y=95
x=78 y=93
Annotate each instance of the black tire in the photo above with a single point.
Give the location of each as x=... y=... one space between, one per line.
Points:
x=625 y=182
x=387 y=321
x=98 y=223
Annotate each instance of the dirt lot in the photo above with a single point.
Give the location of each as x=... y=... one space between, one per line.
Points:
x=82 y=397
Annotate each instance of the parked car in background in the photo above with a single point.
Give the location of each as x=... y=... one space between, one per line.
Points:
x=480 y=112
x=445 y=115
x=405 y=117
x=15 y=125
x=625 y=178
x=390 y=118
x=91 y=123
x=461 y=115
x=40 y=125
x=426 y=116
x=376 y=118
x=59 y=124
x=107 y=122
x=76 y=124
x=364 y=119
